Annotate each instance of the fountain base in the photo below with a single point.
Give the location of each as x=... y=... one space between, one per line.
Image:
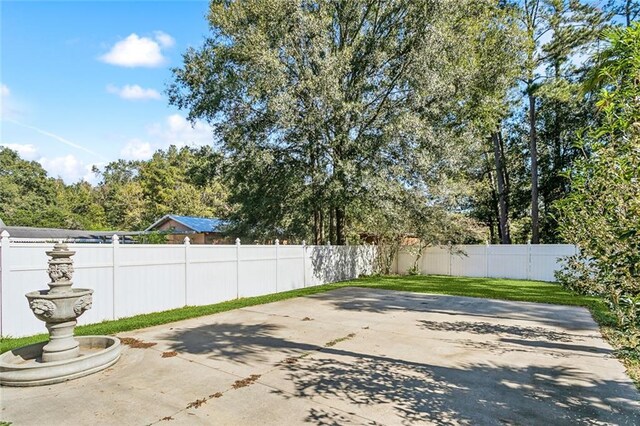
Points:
x=24 y=367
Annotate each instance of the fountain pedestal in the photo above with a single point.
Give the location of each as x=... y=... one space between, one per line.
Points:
x=64 y=357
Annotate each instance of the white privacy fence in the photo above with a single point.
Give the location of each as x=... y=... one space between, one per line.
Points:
x=136 y=279
x=516 y=261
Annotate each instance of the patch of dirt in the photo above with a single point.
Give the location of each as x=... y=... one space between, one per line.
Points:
x=291 y=360
x=169 y=354
x=216 y=395
x=135 y=343
x=246 y=382
x=306 y=319
x=341 y=339
x=197 y=403
x=166 y=419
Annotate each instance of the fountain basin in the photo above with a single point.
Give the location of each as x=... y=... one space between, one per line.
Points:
x=59 y=307
x=24 y=367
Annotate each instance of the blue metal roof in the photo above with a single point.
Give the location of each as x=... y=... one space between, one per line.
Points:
x=198 y=224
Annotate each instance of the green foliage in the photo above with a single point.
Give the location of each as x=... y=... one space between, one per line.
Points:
x=602 y=213
x=329 y=109
x=181 y=181
x=29 y=198
x=130 y=196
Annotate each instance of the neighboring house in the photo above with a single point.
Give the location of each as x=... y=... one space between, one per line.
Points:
x=200 y=230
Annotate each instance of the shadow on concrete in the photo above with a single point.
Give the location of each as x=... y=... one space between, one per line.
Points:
x=488 y=328
x=239 y=343
x=477 y=394
x=420 y=392
x=561 y=346
x=382 y=301
x=325 y=417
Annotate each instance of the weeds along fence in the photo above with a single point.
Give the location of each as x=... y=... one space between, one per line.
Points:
x=517 y=261
x=135 y=279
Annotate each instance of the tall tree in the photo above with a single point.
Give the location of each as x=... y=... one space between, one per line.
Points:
x=321 y=104
x=557 y=31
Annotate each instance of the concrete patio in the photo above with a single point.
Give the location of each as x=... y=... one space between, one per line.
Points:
x=352 y=356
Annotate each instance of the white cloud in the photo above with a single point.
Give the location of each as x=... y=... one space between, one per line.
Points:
x=164 y=39
x=137 y=149
x=136 y=51
x=4 y=90
x=177 y=130
x=133 y=92
x=26 y=151
x=69 y=169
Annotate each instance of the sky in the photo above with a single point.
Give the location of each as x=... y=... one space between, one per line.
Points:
x=82 y=83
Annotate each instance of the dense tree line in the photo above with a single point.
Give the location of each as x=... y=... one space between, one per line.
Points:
x=130 y=195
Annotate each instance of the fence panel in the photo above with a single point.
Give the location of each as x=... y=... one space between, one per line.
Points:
x=544 y=260
x=508 y=261
x=516 y=261
x=212 y=274
x=471 y=263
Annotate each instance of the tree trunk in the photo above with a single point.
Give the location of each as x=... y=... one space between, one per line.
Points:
x=332 y=226
x=503 y=214
x=535 y=237
x=316 y=236
x=341 y=237
x=494 y=200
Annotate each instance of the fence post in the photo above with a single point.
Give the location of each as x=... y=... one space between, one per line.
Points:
x=115 y=243
x=304 y=263
x=529 y=260
x=277 y=243
x=450 y=257
x=237 y=268
x=486 y=259
x=4 y=270
x=187 y=245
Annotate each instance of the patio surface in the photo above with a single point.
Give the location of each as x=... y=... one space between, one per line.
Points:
x=353 y=356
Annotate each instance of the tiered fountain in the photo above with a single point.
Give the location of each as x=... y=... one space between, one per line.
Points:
x=63 y=357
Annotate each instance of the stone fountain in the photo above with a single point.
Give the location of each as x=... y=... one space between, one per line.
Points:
x=63 y=357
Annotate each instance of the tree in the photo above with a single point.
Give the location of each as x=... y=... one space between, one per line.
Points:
x=321 y=103
x=27 y=195
x=557 y=30
x=601 y=215
x=182 y=181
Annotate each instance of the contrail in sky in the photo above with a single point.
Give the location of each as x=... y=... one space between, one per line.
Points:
x=58 y=138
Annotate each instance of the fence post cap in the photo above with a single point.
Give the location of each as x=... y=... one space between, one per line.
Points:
x=304 y=243
x=115 y=238
x=4 y=234
x=187 y=241
x=277 y=242
x=237 y=241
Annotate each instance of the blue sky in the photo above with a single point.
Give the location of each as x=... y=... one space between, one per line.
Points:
x=82 y=82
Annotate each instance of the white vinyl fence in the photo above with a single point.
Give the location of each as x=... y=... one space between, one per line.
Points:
x=516 y=261
x=136 y=279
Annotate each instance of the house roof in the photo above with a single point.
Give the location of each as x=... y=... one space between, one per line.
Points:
x=27 y=232
x=197 y=224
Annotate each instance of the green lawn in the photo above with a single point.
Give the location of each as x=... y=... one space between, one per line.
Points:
x=529 y=291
